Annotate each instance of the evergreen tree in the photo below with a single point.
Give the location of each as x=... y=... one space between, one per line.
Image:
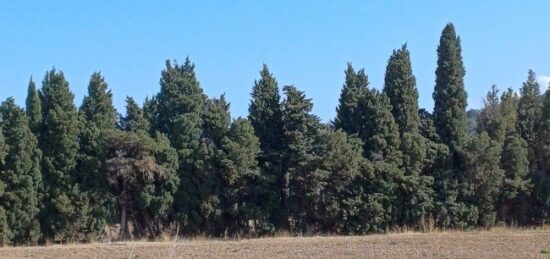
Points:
x=449 y=94
x=240 y=177
x=450 y=122
x=65 y=207
x=265 y=116
x=542 y=177
x=490 y=118
x=348 y=113
x=400 y=87
x=135 y=119
x=305 y=182
x=177 y=111
x=98 y=118
x=141 y=172
x=342 y=161
x=529 y=116
x=482 y=180
x=33 y=108
x=5 y=231
x=21 y=175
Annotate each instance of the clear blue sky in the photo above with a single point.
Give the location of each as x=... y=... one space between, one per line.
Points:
x=305 y=43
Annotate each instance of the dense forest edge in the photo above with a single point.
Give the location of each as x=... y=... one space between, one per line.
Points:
x=181 y=165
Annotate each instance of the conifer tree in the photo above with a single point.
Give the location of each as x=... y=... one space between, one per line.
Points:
x=514 y=197
x=300 y=129
x=415 y=194
x=97 y=119
x=5 y=231
x=21 y=175
x=33 y=108
x=265 y=116
x=65 y=207
x=490 y=118
x=449 y=94
x=482 y=180
x=450 y=123
x=177 y=111
x=529 y=116
x=348 y=113
x=542 y=177
x=241 y=176
x=135 y=118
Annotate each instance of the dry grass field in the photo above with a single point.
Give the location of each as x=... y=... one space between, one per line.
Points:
x=478 y=244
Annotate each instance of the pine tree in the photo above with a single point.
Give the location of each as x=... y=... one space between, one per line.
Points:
x=300 y=130
x=65 y=208
x=265 y=116
x=400 y=86
x=529 y=116
x=33 y=108
x=449 y=94
x=97 y=119
x=21 y=175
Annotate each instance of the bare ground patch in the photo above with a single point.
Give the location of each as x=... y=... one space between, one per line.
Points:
x=479 y=244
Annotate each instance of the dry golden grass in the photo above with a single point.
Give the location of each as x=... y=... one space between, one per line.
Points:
x=501 y=243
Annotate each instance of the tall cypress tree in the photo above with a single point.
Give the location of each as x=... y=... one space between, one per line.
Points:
x=400 y=86
x=450 y=122
x=97 y=119
x=449 y=94
x=33 y=108
x=65 y=208
x=265 y=116
x=21 y=175
x=529 y=116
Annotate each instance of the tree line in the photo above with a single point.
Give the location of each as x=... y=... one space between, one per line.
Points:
x=181 y=162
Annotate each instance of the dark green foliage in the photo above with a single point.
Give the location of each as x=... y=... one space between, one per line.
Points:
x=242 y=181
x=66 y=210
x=97 y=119
x=542 y=177
x=400 y=87
x=482 y=180
x=348 y=113
x=529 y=116
x=304 y=182
x=135 y=118
x=141 y=172
x=21 y=177
x=342 y=163
x=414 y=191
x=265 y=117
x=490 y=118
x=449 y=94
x=33 y=108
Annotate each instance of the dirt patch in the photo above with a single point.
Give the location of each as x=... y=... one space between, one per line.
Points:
x=492 y=244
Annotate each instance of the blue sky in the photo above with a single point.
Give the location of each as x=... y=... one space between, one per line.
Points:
x=305 y=43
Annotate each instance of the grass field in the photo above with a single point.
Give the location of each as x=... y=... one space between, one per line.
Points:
x=479 y=244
